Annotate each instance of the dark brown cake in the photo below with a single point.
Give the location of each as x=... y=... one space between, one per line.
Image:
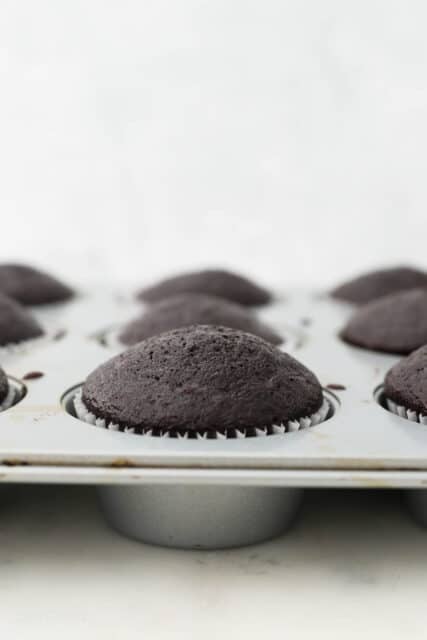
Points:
x=215 y=282
x=393 y=324
x=189 y=309
x=202 y=379
x=4 y=385
x=406 y=382
x=16 y=324
x=30 y=286
x=376 y=284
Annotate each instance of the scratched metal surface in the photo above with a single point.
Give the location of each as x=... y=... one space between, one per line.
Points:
x=361 y=445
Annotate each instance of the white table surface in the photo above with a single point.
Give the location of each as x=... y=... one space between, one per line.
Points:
x=351 y=567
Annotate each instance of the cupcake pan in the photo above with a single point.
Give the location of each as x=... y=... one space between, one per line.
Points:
x=208 y=493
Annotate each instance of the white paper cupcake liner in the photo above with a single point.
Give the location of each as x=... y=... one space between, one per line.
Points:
x=10 y=399
x=403 y=412
x=83 y=413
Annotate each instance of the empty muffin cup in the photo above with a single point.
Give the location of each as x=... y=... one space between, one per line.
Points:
x=199 y=517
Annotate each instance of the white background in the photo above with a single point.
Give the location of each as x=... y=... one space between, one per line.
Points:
x=287 y=139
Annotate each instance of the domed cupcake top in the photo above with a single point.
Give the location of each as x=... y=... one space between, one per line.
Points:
x=16 y=324
x=376 y=284
x=4 y=385
x=215 y=282
x=30 y=286
x=202 y=379
x=406 y=382
x=394 y=324
x=189 y=309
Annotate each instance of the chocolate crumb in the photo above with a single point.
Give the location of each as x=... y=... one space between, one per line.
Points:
x=60 y=334
x=33 y=375
x=306 y=322
x=336 y=387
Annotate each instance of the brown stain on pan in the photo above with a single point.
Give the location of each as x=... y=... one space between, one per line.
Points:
x=15 y=462
x=335 y=386
x=121 y=463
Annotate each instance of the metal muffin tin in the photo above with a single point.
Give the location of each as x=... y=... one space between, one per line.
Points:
x=208 y=493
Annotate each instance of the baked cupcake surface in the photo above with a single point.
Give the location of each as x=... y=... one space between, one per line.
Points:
x=202 y=379
x=376 y=284
x=406 y=382
x=4 y=386
x=30 y=286
x=16 y=324
x=216 y=282
x=192 y=308
x=393 y=324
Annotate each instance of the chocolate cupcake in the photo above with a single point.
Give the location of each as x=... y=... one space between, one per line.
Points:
x=30 y=286
x=16 y=324
x=376 y=284
x=394 y=324
x=215 y=282
x=202 y=381
x=405 y=387
x=192 y=308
